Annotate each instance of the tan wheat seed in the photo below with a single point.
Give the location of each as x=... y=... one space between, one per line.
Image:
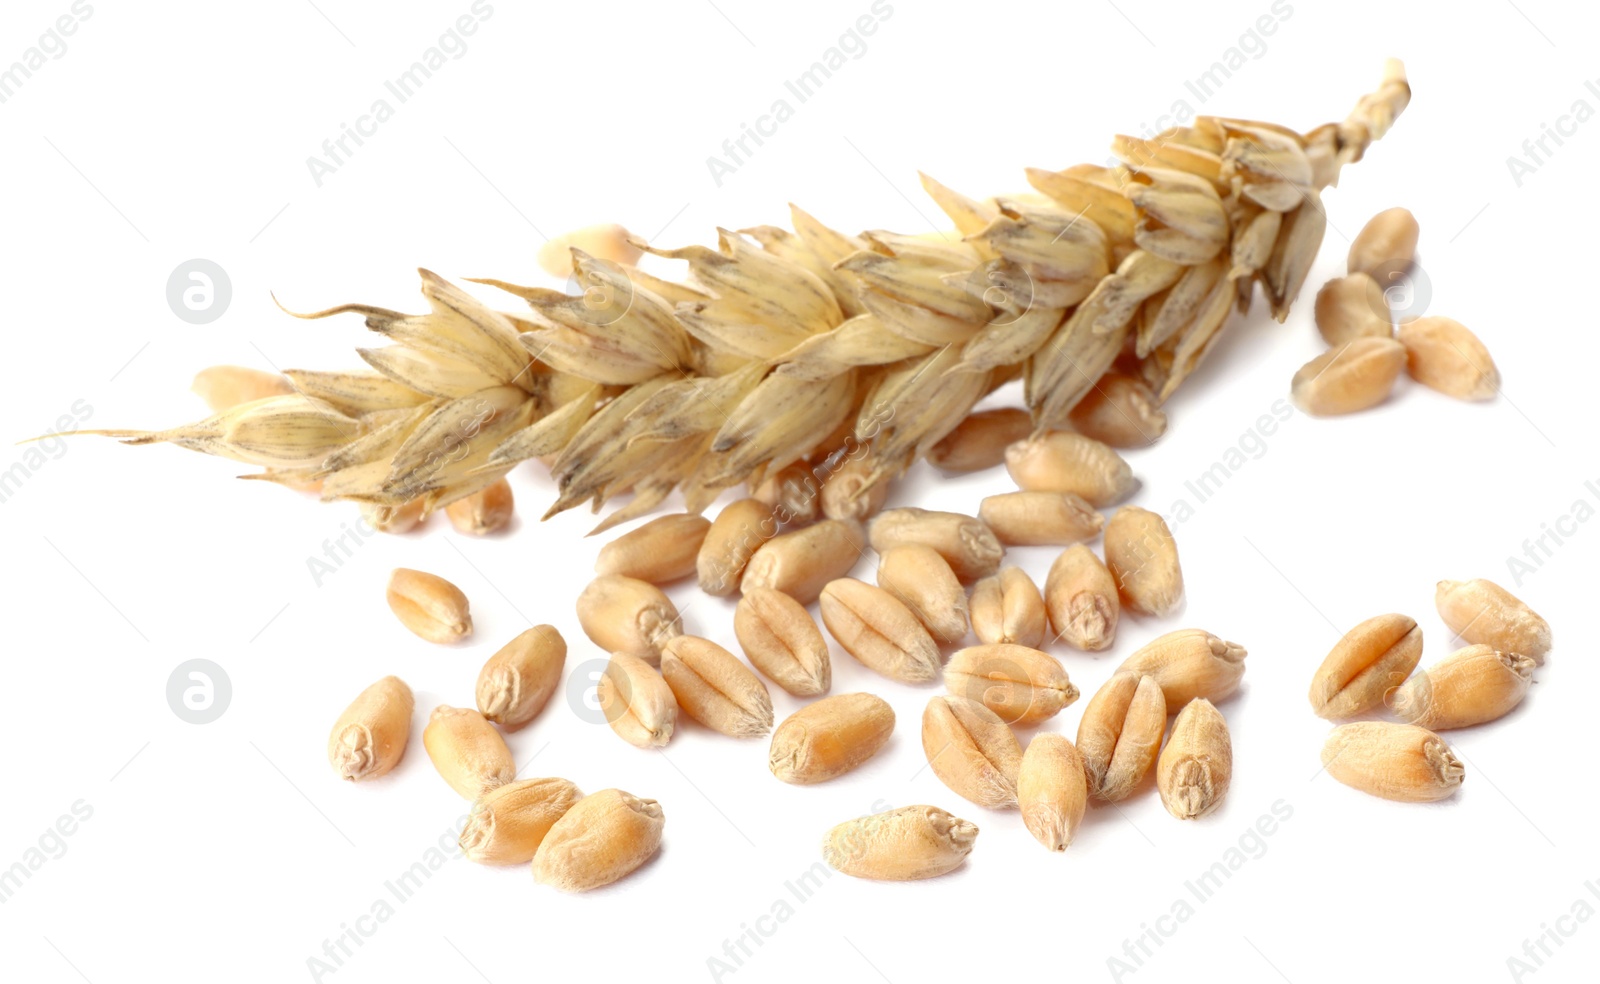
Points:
x=1443 y=354
x=910 y=843
x=1142 y=557
x=1120 y=733
x=1052 y=790
x=661 y=551
x=605 y=836
x=1196 y=765
x=1481 y=611
x=1365 y=666
x=636 y=701
x=428 y=605
x=626 y=615
x=1394 y=761
x=508 y=823
x=1080 y=596
x=972 y=751
x=828 y=738
x=517 y=681
x=370 y=737
x=714 y=687
x=1471 y=686
x=879 y=631
x=467 y=751
x=780 y=639
x=923 y=581
x=1022 y=686
x=1008 y=608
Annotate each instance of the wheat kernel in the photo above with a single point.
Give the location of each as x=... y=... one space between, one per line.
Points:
x=429 y=606
x=508 y=823
x=737 y=532
x=1190 y=663
x=516 y=682
x=1481 y=611
x=1352 y=307
x=780 y=639
x=1052 y=790
x=967 y=545
x=484 y=512
x=1061 y=461
x=1142 y=558
x=801 y=562
x=370 y=737
x=1120 y=412
x=1037 y=519
x=1022 y=686
x=715 y=688
x=1008 y=608
x=828 y=738
x=624 y=614
x=1365 y=666
x=1394 y=761
x=661 y=551
x=1081 y=599
x=467 y=751
x=972 y=751
x=1356 y=375
x=1196 y=765
x=637 y=702
x=604 y=837
x=1471 y=686
x=879 y=631
x=980 y=441
x=1444 y=355
x=1386 y=244
x=907 y=844
x=923 y=582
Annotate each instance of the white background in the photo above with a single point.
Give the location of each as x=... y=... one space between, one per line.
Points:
x=229 y=851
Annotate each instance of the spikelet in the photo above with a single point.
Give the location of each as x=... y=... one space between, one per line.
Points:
x=786 y=350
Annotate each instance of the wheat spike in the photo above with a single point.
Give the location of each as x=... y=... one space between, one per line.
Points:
x=787 y=347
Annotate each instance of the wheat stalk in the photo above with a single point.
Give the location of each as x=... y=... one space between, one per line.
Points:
x=783 y=345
